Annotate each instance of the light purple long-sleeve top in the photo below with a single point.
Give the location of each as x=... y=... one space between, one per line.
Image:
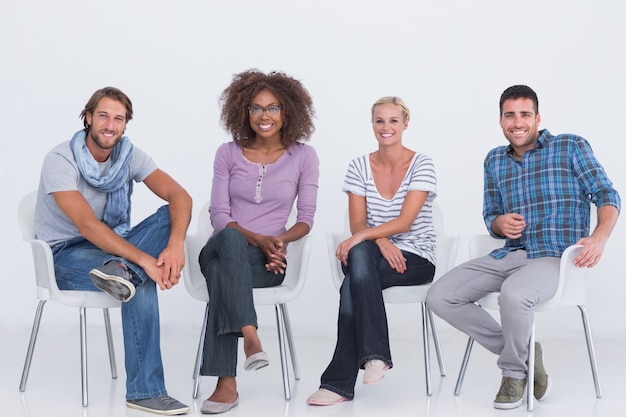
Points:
x=260 y=197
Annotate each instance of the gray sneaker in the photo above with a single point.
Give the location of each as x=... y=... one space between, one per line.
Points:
x=511 y=393
x=542 y=383
x=163 y=404
x=114 y=279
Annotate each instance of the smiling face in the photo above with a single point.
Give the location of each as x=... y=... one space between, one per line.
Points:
x=264 y=125
x=388 y=124
x=106 y=127
x=520 y=124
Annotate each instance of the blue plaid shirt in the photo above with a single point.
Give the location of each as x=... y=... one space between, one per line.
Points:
x=552 y=187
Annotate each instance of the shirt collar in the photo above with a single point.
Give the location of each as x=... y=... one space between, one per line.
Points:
x=542 y=140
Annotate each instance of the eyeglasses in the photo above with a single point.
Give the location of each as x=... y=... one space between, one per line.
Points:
x=256 y=111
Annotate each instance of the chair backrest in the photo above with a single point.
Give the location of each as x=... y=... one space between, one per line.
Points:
x=297 y=261
x=26 y=215
x=447 y=245
x=445 y=252
x=42 y=255
x=332 y=241
x=572 y=280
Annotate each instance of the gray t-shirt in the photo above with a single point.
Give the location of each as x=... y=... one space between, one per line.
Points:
x=60 y=173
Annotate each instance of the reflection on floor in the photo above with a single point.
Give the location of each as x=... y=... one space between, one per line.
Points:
x=54 y=385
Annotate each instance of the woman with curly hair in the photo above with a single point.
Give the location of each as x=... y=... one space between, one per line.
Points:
x=257 y=178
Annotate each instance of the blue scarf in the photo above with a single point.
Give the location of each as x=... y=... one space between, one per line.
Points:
x=116 y=183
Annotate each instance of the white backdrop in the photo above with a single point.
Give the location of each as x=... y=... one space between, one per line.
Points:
x=449 y=60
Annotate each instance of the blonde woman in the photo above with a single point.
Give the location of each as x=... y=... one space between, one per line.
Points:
x=390 y=194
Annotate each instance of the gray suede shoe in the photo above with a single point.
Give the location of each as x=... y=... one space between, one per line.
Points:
x=511 y=393
x=542 y=382
x=163 y=404
x=114 y=279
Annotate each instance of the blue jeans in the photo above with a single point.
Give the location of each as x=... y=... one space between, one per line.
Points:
x=362 y=333
x=73 y=259
x=232 y=267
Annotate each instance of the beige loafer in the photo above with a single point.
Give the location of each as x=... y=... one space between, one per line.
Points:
x=374 y=371
x=325 y=397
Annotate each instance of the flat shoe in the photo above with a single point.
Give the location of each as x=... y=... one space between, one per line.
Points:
x=374 y=371
x=212 y=407
x=325 y=397
x=257 y=361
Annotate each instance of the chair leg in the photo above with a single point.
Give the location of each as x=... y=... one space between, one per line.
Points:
x=459 y=380
x=283 y=355
x=590 y=349
x=198 y=364
x=31 y=345
x=107 y=328
x=290 y=342
x=83 y=354
x=435 y=333
x=426 y=344
x=530 y=375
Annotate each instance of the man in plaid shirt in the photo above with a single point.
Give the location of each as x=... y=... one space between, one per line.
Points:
x=537 y=196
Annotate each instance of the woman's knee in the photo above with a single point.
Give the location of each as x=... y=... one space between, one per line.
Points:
x=362 y=258
x=228 y=239
x=362 y=251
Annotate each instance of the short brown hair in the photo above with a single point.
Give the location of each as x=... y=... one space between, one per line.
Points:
x=112 y=93
x=519 y=91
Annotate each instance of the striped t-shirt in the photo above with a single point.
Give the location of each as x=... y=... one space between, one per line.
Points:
x=420 y=176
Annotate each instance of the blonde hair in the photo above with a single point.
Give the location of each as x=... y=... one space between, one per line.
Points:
x=406 y=114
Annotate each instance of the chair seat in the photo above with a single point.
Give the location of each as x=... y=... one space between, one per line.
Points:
x=406 y=294
x=87 y=299
x=280 y=294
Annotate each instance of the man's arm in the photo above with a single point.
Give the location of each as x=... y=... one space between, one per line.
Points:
x=76 y=208
x=172 y=259
x=594 y=245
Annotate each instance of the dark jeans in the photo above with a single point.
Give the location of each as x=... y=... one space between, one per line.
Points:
x=232 y=268
x=362 y=333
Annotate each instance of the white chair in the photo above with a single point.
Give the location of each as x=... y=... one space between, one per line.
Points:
x=570 y=292
x=47 y=289
x=446 y=251
x=278 y=296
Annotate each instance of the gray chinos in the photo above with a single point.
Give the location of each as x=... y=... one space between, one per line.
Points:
x=522 y=283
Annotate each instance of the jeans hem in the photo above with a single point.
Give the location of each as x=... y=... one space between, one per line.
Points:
x=218 y=373
x=368 y=358
x=143 y=397
x=349 y=395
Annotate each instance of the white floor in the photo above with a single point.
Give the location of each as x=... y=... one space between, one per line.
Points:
x=54 y=385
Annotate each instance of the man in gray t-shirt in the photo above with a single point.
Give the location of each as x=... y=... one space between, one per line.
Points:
x=83 y=212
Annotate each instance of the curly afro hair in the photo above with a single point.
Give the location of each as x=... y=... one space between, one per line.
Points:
x=296 y=106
